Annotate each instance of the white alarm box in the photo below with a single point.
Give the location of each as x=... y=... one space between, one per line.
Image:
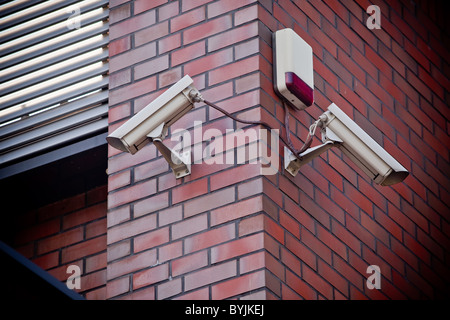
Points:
x=293 y=68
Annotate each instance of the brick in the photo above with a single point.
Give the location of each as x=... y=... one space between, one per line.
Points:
x=152 y=204
x=187 y=19
x=118 y=216
x=151 y=239
x=189 y=226
x=417 y=248
x=311 y=241
x=233 y=36
x=209 y=62
x=133 y=90
x=346 y=237
x=119 y=78
x=168 y=11
x=169 y=289
x=234 y=175
x=143 y=5
x=375 y=228
x=218 y=8
x=246 y=14
x=131 y=228
x=118 y=250
x=83 y=249
x=419 y=85
x=361 y=233
x=118 y=14
x=188 y=53
x=233 y=70
x=251 y=225
x=237 y=103
x=152 y=33
x=131 y=25
x=209 y=238
x=189 y=263
x=96 y=228
x=300 y=286
x=208 y=202
x=274 y=229
x=169 y=77
x=132 y=193
x=247 y=189
x=333 y=277
x=358 y=198
x=210 y=275
x=348 y=272
x=239 y=285
x=207 y=29
x=237 y=247
x=252 y=262
x=318 y=283
x=143 y=294
x=60 y=240
x=189 y=190
x=289 y=224
x=117 y=287
x=170 y=215
x=85 y=215
x=283 y=17
x=332 y=242
x=323 y=39
x=170 y=251
x=169 y=43
x=131 y=264
x=299 y=214
x=151 y=276
x=150 y=169
x=301 y=251
x=118 y=46
x=47 y=261
x=314 y=210
x=389 y=224
x=191 y=4
x=151 y=67
x=236 y=211
x=201 y=294
x=119 y=112
x=288 y=188
x=93 y=280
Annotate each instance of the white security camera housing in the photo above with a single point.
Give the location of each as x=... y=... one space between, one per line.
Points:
x=160 y=114
x=151 y=125
x=293 y=68
x=341 y=131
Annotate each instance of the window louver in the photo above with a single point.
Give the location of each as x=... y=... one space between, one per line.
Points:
x=53 y=76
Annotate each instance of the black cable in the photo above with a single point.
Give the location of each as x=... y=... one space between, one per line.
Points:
x=262 y=123
x=308 y=141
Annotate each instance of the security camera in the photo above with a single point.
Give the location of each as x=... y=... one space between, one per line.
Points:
x=151 y=124
x=339 y=130
x=160 y=114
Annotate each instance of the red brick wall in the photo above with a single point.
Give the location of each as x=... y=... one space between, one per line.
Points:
x=226 y=230
x=68 y=232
